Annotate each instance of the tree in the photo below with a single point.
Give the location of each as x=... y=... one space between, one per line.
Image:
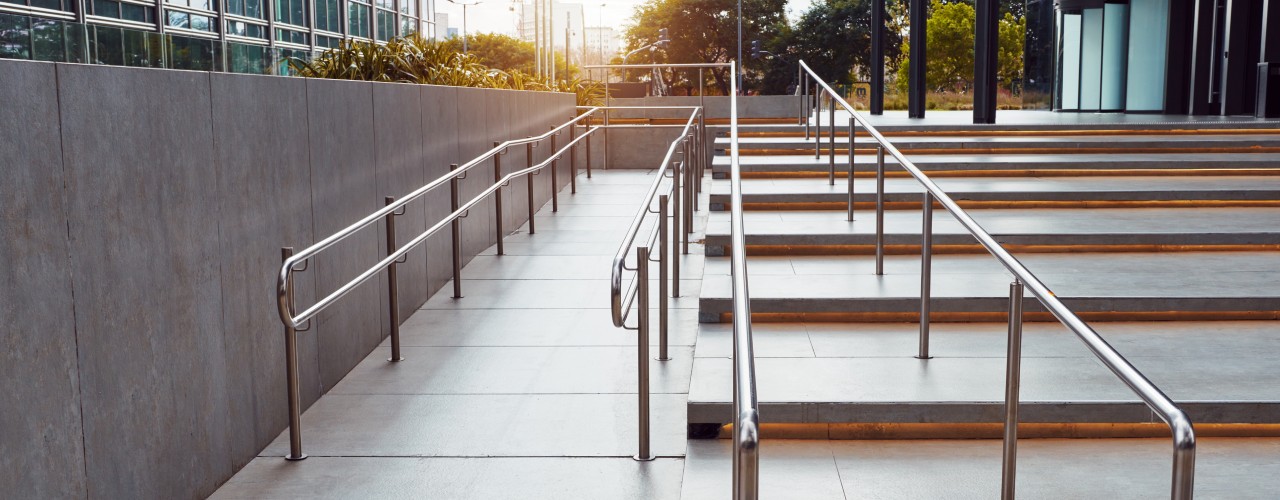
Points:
x=497 y=51
x=951 y=44
x=704 y=31
x=834 y=37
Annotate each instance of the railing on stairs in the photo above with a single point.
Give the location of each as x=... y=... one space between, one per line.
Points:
x=813 y=95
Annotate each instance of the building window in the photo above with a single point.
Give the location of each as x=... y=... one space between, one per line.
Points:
x=123 y=10
x=241 y=28
x=246 y=8
x=187 y=20
x=327 y=42
x=358 y=18
x=63 y=5
x=408 y=26
x=386 y=21
x=328 y=16
x=292 y=12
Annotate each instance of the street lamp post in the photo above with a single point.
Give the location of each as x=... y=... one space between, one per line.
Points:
x=464 y=19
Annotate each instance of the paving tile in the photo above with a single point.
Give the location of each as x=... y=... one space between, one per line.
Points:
x=577 y=425
x=516 y=370
x=788 y=469
x=533 y=327
x=456 y=478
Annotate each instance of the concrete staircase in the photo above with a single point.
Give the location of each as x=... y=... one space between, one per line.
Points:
x=1165 y=238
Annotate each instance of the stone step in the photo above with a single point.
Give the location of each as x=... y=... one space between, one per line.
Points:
x=1010 y=164
x=1055 y=469
x=801 y=194
x=1065 y=143
x=806 y=232
x=1119 y=286
x=1220 y=372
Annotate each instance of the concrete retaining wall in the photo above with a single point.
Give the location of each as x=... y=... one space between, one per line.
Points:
x=141 y=218
x=644 y=148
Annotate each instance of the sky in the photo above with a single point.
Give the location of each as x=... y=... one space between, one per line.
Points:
x=497 y=16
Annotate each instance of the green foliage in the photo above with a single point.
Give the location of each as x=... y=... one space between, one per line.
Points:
x=950 y=33
x=834 y=37
x=703 y=31
x=413 y=59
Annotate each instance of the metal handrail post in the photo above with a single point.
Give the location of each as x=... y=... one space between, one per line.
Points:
x=393 y=286
x=664 y=264
x=817 y=128
x=642 y=352
x=456 y=228
x=677 y=193
x=528 y=178
x=800 y=94
x=804 y=108
x=831 y=144
x=691 y=202
x=291 y=373
x=588 y=139
x=675 y=235
x=573 y=164
x=926 y=274
x=691 y=146
x=851 y=137
x=1012 y=381
x=497 y=199
x=555 y=185
x=879 y=210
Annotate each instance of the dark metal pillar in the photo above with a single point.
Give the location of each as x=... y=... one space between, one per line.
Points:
x=916 y=71
x=877 y=57
x=985 y=41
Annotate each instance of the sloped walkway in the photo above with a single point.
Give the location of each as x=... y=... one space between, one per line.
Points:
x=521 y=389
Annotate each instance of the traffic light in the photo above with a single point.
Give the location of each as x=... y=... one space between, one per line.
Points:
x=755 y=49
x=662 y=35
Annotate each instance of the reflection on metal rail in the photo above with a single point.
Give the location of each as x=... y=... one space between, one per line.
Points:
x=746 y=409
x=679 y=194
x=296 y=262
x=1184 y=443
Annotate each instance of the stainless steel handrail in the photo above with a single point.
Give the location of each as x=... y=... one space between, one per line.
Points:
x=746 y=408
x=679 y=193
x=1177 y=420
x=292 y=262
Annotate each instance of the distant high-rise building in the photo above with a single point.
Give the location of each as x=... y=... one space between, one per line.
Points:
x=602 y=44
x=560 y=13
x=442 y=22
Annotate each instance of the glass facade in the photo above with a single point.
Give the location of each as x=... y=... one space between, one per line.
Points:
x=241 y=36
x=1110 y=55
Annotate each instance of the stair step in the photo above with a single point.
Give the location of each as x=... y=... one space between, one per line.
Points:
x=867 y=373
x=1010 y=164
x=1058 y=192
x=1034 y=144
x=1076 y=229
x=1115 y=287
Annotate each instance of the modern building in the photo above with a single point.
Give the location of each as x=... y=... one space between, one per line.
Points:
x=528 y=29
x=602 y=44
x=1200 y=57
x=246 y=36
x=442 y=26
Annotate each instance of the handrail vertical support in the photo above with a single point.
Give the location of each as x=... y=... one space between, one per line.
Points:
x=690 y=197
x=800 y=94
x=589 y=133
x=851 y=137
x=529 y=182
x=1012 y=381
x=879 y=210
x=817 y=127
x=642 y=353
x=497 y=200
x=664 y=264
x=926 y=274
x=456 y=227
x=555 y=184
x=393 y=286
x=573 y=161
x=291 y=372
x=831 y=143
x=804 y=110
x=676 y=191
x=675 y=238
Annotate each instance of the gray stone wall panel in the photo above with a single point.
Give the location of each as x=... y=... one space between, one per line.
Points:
x=345 y=190
x=143 y=204
x=43 y=456
x=440 y=148
x=264 y=174
x=473 y=140
x=399 y=136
